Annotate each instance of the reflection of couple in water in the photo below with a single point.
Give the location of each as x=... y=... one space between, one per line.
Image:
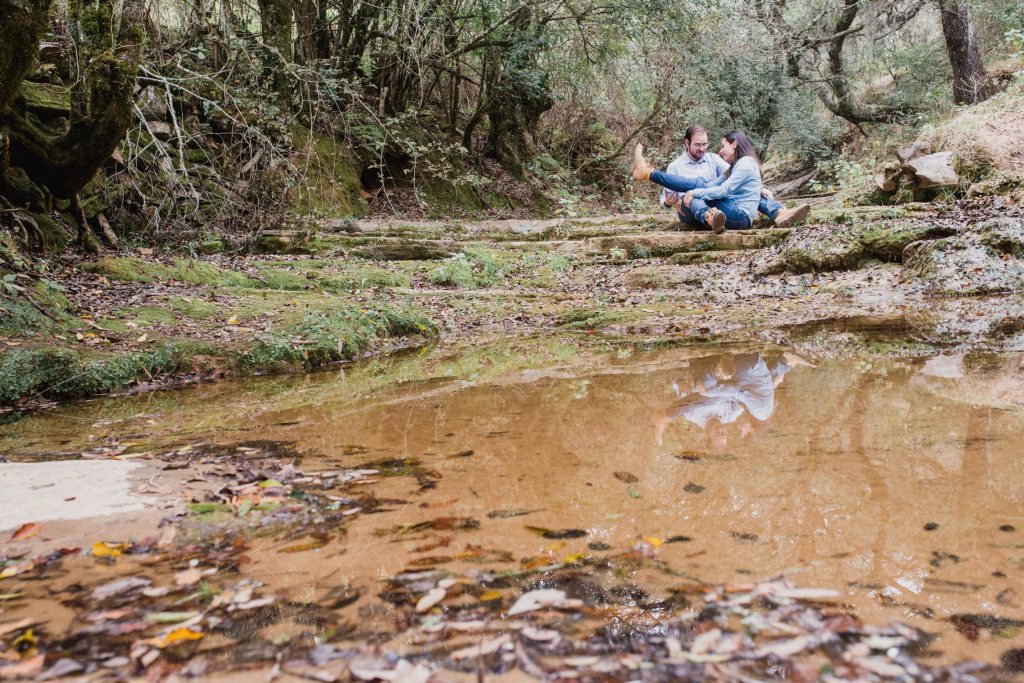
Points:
x=727 y=389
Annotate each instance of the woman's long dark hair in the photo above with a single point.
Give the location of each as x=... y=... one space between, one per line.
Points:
x=744 y=148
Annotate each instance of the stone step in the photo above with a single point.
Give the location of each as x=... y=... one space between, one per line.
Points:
x=670 y=243
x=385 y=248
x=498 y=230
x=692 y=258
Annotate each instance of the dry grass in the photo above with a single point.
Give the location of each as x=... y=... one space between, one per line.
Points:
x=988 y=138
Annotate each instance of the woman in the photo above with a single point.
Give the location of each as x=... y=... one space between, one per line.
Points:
x=727 y=202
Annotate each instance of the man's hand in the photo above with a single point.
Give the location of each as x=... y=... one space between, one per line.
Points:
x=671 y=199
x=766 y=193
x=687 y=198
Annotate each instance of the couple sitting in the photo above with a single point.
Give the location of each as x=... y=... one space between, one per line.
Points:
x=720 y=192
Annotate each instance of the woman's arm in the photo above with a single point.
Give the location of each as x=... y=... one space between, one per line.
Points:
x=743 y=172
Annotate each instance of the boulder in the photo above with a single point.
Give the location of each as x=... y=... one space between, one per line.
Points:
x=935 y=171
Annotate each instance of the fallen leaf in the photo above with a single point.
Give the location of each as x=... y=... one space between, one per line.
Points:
x=105 y=549
x=178 y=635
x=431 y=598
x=543 y=597
x=626 y=477
x=26 y=668
x=26 y=531
x=14 y=625
x=188 y=577
x=557 y=533
x=514 y=512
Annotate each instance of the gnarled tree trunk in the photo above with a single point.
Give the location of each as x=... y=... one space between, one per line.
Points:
x=964 y=55
x=64 y=160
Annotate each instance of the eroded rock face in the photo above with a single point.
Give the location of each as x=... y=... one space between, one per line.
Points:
x=986 y=260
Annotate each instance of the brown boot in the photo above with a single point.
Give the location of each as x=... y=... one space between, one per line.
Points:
x=787 y=218
x=640 y=169
x=715 y=220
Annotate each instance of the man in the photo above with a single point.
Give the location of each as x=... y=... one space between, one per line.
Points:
x=697 y=162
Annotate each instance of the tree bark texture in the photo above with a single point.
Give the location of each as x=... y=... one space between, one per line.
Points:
x=101 y=106
x=964 y=55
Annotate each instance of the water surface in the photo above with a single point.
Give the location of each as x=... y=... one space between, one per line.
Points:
x=897 y=481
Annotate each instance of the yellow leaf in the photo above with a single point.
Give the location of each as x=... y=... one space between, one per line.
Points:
x=178 y=635
x=654 y=541
x=554 y=547
x=490 y=595
x=233 y=320
x=142 y=338
x=104 y=549
x=575 y=557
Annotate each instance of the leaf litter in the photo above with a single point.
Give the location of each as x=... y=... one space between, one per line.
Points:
x=186 y=609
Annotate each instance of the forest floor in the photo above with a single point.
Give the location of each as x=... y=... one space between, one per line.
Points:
x=345 y=289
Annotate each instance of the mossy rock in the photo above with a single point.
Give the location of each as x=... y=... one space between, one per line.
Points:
x=331 y=186
x=888 y=240
x=1003 y=235
x=191 y=271
x=962 y=266
x=46 y=99
x=16 y=186
x=838 y=247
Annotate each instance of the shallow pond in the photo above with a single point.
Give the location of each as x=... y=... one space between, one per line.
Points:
x=896 y=481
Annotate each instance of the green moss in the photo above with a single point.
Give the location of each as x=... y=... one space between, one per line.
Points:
x=471 y=268
x=61 y=373
x=193 y=308
x=321 y=338
x=588 y=318
x=331 y=184
x=189 y=271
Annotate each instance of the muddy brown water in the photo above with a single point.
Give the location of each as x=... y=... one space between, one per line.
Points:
x=896 y=481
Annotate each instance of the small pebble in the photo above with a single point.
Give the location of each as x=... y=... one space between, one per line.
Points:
x=597 y=545
x=931 y=526
x=998 y=574
x=1007 y=528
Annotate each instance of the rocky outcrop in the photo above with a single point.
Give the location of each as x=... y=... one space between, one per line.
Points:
x=986 y=260
x=824 y=248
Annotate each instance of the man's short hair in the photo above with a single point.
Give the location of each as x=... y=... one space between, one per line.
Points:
x=693 y=130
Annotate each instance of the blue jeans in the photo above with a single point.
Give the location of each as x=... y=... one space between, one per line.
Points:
x=769 y=207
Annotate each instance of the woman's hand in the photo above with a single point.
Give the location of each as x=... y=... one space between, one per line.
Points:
x=687 y=198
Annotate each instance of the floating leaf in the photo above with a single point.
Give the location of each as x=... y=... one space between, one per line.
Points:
x=693 y=488
x=431 y=598
x=188 y=577
x=678 y=539
x=178 y=635
x=626 y=477
x=303 y=547
x=557 y=534
x=26 y=531
x=544 y=597
x=106 y=549
x=514 y=512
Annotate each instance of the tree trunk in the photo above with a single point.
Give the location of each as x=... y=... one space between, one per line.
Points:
x=101 y=111
x=964 y=55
